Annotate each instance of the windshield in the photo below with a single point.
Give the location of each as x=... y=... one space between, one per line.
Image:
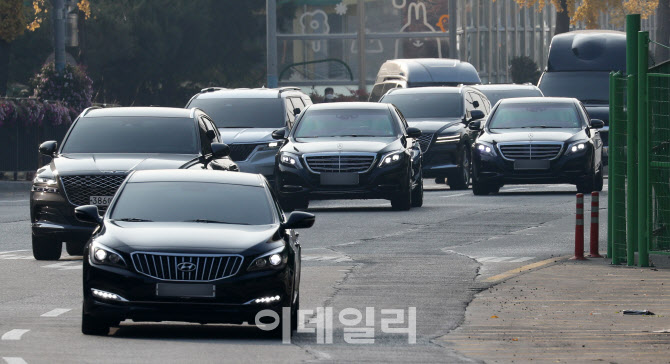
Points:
x=132 y=135
x=495 y=95
x=351 y=122
x=193 y=201
x=243 y=113
x=420 y=105
x=535 y=115
x=588 y=87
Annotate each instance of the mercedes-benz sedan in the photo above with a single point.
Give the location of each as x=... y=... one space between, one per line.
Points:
x=175 y=245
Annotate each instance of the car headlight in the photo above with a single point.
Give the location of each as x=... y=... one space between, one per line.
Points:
x=391 y=158
x=45 y=184
x=273 y=259
x=576 y=147
x=447 y=138
x=289 y=160
x=271 y=146
x=100 y=254
x=485 y=148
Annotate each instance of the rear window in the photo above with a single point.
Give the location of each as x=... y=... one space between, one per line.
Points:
x=244 y=113
x=535 y=115
x=132 y=135
x=496 y=95
x=189 y=201
x=421 y=105
x=587 y=87
x=346 y=123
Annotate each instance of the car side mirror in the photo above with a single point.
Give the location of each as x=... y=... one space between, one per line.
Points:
x=279 y=134
x=597 y=124
x=49 y=148
x=220 y=150
x=88 y=213
x=296 y=111
x=413 y=132
x=476 y=115
x=299 y=220
x=475 y=125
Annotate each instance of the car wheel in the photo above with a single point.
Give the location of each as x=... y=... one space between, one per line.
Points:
x=479 y=188
x=460 y=180
x=417 y=194
x=46 y=248
x=294 y=314
x=599 y=180
x=440 y=180
x=403 y=201
x=74 y=248
x=93 y=326
x=588 y=185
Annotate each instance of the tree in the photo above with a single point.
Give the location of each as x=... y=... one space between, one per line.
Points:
x=524 y=70
x=12 y=25
x=571 y=11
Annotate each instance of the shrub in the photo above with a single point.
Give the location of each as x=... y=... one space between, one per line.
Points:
x=524 y=70
x=73 y=87
x=33 y=112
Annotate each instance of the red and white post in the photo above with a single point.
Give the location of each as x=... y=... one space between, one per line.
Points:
x=579 y=229
x=595 y=207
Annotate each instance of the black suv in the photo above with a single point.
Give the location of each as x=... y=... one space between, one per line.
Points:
x=442 y=114
x=246 y=119
x=350 y=150
x=100 y=149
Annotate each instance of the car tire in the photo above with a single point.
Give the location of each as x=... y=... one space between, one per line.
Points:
x=74 y=247
x=588 y=185
x=440 y=180
x=600 y=181
x=46 y=248
x=92 y=326
x=294 y=314
x=460 y=180
x=480 y=188
x=403 y=201
x=417 y=194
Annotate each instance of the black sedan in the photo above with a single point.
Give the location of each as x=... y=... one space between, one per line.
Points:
x=537 y=140
x=175 y=246
x=347 y=151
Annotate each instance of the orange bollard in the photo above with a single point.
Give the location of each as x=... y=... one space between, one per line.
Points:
x=579 y=229
x=595 y=207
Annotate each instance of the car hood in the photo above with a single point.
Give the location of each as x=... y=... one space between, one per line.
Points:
x=432 y=125
x=601 y=112
x=82 y=163
x=246 y=135
x=323 y=145
x=190 y=238
x=538 y=135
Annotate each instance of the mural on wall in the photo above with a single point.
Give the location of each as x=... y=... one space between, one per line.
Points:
x=315 y=22
x=417 y=21
x=372 y=45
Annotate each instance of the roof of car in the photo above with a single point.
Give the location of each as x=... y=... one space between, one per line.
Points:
x=429 y=70
x=505 y=86
x=539 y=100
x=137 y=111
x=244 y=93
x=186 y=175
x=349 y=105
x=427 y=90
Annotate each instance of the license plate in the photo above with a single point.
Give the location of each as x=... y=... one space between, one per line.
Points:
x=101 y=200
x=521 y=165
x=339 y=179
x=185 y=290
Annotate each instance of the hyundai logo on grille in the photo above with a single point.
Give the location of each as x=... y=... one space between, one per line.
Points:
x=186 y=267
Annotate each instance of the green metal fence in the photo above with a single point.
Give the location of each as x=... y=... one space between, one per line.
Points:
x=617 y=169
x=659 y=161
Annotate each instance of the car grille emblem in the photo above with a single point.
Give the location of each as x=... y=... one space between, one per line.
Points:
x=339 y=146
x=186 y=267
x=530 y=136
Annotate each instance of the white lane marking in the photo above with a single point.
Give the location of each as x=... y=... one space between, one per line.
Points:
x=14 y=201
x=13 y=360
x=56 y=312
x=499 y=259
x=13 y=251
x=64 y=265
x=484 y=259
x=456 y=195
x=522 y=259
x=336 y=258
x=14 y=334
x=14 y=257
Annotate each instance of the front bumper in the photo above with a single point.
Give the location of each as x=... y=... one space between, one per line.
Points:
x=52 y=216
x=230 y=304
x=378 y=183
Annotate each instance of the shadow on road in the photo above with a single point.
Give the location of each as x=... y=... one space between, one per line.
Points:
x=191 y=332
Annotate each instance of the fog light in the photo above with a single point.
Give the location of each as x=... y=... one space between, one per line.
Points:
x=275 y=259
x=261 y=263
x=107 y=295
x=100 y=255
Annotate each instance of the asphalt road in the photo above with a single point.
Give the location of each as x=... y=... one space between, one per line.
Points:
x=358 y=254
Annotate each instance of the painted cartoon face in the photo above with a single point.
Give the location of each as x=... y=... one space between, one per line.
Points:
x=315 y=22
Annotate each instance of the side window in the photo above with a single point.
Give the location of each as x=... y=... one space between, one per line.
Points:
x=585 y=115
x=480 y=103
x=289 y=113
x=211 y=126
x=297 y=103
x=205 y=142
x=376 y=93
x=468 y=104
x=402 y=119
x=389 y=86
x=306 y=100
x=487 y=103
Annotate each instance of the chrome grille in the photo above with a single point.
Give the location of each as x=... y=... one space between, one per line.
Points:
x=79 y=189
x=240 y=152
x=424 y=141
x=347 y=163
x=207 y=267
x=530 y=150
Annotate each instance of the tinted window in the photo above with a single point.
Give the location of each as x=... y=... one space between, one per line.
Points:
x=588 y=87
x=132 y=135
x=204 y=139
x=495 y=95
x=351 y=122
x=535 y=115
x=243 y=113
x=422 y=105
x=183 y=201
x=376 y=93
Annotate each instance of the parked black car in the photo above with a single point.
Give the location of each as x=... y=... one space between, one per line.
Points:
x=350 y=150
x=442 y=114
x=537 y=140
x=175 y=246
x=100 y=149
x=246 y=119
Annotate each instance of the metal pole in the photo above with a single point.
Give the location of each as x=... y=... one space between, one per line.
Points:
x=579 y=229
x=643 y=149
x=59 y=35
x=632 y=27
x=595 y=233
x=453 y=15
x=611 y=206
x=362 y=86
x=271 y=35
